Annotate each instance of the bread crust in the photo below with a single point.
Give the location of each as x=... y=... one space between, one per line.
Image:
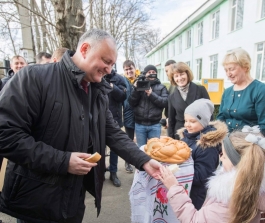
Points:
x=93 y=158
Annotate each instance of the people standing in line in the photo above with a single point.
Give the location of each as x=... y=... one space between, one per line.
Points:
x=237 y=191
x=116 y=98
x=128 y=115
x=171 y=87
x=58 y=54
x=43 y=58
x=244 y=102
x=53 y=117
x=16 y=63
x=185 y=93
x=148 y=106
x=205 y=140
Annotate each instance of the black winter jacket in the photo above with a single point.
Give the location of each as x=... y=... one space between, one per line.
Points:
x=177 y=106
x=128 y=115
x=4 y=80
x=148 y=109
x=45 y=115
x=206 y=147
x=116 y=96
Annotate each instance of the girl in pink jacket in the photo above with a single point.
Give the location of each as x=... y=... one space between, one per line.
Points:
x=236 y=194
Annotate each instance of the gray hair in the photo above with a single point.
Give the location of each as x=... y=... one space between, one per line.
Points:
x=95 y=36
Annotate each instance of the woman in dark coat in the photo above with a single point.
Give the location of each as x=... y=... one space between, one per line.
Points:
x=184 y=94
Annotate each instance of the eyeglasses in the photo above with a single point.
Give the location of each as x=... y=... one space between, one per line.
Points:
x=130 y=68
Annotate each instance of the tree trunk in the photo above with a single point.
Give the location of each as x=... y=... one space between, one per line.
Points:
x=70 y=22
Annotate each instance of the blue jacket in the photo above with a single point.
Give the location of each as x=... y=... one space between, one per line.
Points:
x=206 y=146
x=128 y=115
x=116 y=96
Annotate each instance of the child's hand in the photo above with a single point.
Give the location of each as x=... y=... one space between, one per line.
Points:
x=167 y=177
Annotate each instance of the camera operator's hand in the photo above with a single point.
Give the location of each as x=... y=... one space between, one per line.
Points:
x=111 y=85
x=148 y=92
x=135 y=84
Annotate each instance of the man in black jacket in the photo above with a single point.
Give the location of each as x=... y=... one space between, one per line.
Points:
x=16 y=63
x=116 y=98
x=52 y=117
x=148 y=106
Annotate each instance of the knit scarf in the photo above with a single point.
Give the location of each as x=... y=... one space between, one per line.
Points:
x=184 y=91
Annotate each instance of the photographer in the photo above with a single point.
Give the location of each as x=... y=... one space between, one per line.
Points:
x=116 y=98
x=148 y=106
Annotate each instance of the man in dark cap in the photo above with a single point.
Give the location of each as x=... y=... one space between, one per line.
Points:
x=148 y=106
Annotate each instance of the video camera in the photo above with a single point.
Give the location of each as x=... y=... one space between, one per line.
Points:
x=109 y=80
x=142 y=82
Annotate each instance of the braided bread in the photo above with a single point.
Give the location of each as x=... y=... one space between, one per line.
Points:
x=168 y=150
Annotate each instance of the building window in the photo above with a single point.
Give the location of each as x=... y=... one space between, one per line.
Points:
x=199 y=68
x=188 y=39
x=237 y=12
x=188 y=63
x=180 y=44
x=200 y=33
x=260 y=61
x=215 y=24
x=262 y=14
x=213 y=65
x=173 y=48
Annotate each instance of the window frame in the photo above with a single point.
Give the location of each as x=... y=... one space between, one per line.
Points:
x=261 y=75
x=188 y=38
x=200 y=33
x=212 y=63
x=214 y=21
x=234 y=15
x=199 y=69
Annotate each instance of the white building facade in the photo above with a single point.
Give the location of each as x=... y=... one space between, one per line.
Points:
x=216 y=27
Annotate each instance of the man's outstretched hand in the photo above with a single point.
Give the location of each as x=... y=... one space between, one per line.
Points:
x=152 y=167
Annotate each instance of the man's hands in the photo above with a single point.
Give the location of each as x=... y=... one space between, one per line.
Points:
x=167 y=177
x=152 y=167
x=78 y=166
x=148 y=92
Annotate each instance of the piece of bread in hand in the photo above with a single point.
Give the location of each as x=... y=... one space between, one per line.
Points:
x=93 y=158
x=174 y=168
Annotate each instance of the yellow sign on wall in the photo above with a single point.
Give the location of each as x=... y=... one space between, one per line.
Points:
x=215 y=88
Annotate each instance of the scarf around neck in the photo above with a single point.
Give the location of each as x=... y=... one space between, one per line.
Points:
x=184 y=91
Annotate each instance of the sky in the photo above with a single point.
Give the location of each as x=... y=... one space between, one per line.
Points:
x=167 y=15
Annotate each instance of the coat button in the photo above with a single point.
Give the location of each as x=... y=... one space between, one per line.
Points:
x=228 y=123
x=235 y=110
x=82 y=117
x=239 y=95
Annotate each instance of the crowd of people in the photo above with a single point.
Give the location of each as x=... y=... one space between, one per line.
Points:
x=71 y=104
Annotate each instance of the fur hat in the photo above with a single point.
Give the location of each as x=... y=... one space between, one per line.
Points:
x=201 y=109
x=150 y=67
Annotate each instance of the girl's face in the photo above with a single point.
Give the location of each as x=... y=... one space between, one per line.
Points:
x=227 y=164
x=191 y=124
x=181 y=79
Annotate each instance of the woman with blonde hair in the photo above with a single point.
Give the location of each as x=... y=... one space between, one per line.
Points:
x=236 y=194
x=185 y=93
x=244 y=102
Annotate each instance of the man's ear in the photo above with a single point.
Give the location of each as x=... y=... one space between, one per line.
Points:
x=85 y=47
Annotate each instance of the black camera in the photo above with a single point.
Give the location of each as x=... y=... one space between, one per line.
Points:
x=142 y=81
x=163 y=122
x=109 y=80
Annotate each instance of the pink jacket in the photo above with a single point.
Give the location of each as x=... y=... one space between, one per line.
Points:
x=215 y=207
